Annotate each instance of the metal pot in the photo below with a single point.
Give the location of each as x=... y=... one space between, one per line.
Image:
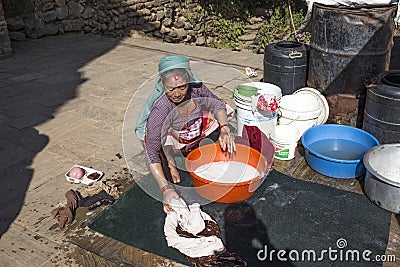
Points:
x=382 y=178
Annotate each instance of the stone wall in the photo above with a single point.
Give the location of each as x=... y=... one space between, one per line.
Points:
x=5 y=45
x=172 y=21
x=160 y=18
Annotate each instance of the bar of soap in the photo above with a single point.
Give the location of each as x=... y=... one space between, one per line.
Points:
x=76 y=173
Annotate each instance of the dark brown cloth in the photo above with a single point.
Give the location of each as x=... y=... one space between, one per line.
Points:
x=223 y=259
x=65 y=215
x=92 y=202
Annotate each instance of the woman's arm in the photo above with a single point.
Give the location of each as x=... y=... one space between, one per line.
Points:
x=168 y=191
x=153 y=146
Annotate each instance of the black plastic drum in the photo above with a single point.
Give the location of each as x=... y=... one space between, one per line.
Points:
x=285 y=65
x=382 y=108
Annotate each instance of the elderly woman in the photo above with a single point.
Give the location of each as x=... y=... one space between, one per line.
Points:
x=181 y=115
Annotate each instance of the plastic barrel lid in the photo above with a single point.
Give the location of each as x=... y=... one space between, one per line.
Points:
x=323 y=117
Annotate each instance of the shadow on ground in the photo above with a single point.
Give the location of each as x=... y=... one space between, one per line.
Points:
x=35 y=82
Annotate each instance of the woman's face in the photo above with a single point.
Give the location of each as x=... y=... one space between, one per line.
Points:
x=176 y=88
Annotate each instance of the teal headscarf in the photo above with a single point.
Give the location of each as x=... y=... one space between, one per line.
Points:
x=165 y=64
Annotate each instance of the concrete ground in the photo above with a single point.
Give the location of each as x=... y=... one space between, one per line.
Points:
x=63 y=101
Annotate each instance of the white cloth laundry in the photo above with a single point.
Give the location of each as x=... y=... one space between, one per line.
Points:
x=190 y=219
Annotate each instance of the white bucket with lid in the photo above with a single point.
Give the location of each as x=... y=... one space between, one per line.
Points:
x=267 y=88
x=323 y=117
x=285 y=138
x=300 y=111
x=264 y=120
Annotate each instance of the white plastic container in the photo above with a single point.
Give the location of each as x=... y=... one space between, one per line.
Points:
x=85 y=179
x=285 y=139
x=264 y=120
x=300 y=111
x=323 y=117
x=267 y=88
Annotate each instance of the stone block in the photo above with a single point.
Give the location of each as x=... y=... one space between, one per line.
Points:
x=160 y=14
x=62 y=12
x=200 y=41
x=15 y=24
x=188 y=26
x=179 y=33
x=151 y=26
x=75 y=9
x=50 y=16
x=145 y=12
x=247 y=37
x=59 y=3
x=46 y=6
x=30 y=22
x=121 y=10
x=179 y=24
x=115 y=12
x=167 y=22
x=17 y=36
x=46 y=29
x=101 y=14
x=72 y=25
x=89 y=12
x=111 y=26
x=164 y=30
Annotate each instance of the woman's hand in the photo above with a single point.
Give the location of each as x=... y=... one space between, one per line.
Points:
x=168 y=195
x=227 y=143
x=176 y=177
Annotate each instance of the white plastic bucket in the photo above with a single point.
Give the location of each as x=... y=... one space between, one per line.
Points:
x=267 y=88
x=264 y=120
x=300 y=111
x=285 y=138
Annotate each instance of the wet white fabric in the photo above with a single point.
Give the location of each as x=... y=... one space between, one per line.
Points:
x=227 y=172
x=191 y=219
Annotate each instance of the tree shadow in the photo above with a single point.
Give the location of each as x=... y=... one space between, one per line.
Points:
x=39 y=78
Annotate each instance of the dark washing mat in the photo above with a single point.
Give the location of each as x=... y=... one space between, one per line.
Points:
x=287 y=222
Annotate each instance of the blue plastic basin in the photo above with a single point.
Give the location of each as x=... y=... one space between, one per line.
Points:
x=337 y=150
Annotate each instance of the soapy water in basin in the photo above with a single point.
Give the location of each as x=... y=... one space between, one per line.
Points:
x=227 y=172
x=339 y=149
